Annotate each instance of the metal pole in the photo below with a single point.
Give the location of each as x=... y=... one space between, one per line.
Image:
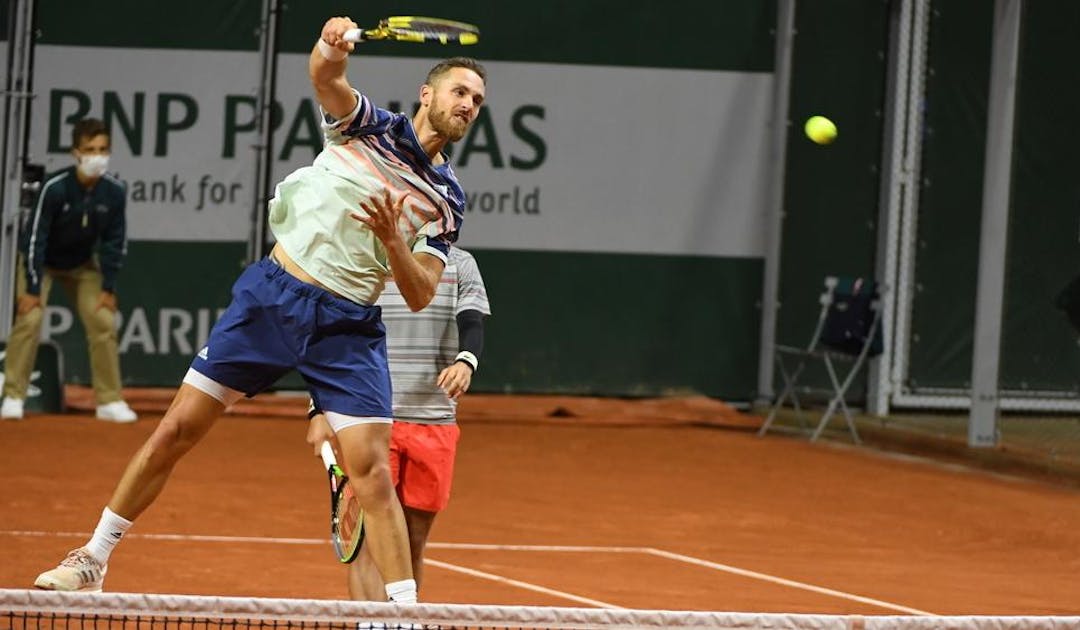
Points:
x=14 y=154
x=770 y=299
x=264 y=148
x=905 y=210
x=893 y=180
x=997 y=177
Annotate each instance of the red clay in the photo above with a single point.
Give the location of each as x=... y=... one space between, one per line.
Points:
x=686 y=476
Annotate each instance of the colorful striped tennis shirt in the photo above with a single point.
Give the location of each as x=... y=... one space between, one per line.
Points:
x=420 y=345
x=366 y=153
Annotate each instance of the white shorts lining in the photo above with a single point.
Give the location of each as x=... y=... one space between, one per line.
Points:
x=339 y=421
x=210 y=387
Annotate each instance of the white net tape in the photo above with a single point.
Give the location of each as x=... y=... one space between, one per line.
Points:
x=116 y=605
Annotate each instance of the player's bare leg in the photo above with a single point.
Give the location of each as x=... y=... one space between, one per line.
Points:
x=189 y=417
x=366 y=448
x=365 y=583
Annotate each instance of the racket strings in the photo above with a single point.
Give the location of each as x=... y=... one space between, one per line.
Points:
x=348 y=514
x=428 y=25
x=444 y=31
x=434 y=29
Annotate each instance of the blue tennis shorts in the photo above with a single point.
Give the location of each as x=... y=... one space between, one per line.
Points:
x=276 y=323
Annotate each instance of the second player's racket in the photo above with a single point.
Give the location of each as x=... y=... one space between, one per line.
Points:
x=411 y=28
x=346 y=517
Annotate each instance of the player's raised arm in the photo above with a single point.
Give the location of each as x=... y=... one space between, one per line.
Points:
x=326 y=67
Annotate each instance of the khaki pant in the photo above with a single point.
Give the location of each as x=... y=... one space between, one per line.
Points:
x=83 y=287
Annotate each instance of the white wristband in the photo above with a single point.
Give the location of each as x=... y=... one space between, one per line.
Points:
x=330 y=53
x=467 y=357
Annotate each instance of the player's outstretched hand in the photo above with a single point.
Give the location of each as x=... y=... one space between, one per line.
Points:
x=382 y=215
x=455 y=379
x=334 y=30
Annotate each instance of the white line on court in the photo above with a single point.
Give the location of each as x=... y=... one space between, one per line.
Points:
x=689 y=560
x=525 y=585
x=779 y=580
x=534 y=548
x=183 y=537
x=567 y=548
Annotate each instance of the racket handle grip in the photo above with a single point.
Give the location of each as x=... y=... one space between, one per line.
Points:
x=353 y=35
x=327 y=454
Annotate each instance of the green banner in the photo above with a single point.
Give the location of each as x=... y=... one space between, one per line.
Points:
x=170 y=295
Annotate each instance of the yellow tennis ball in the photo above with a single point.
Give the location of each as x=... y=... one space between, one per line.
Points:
x=820 y=129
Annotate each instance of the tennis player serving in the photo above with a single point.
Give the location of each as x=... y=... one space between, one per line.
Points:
x=380 y=198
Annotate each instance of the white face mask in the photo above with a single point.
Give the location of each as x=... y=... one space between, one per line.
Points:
x=93 y=165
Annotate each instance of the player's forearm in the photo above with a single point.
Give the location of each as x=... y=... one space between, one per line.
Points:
x=326 y=68
x=330 y=84
x=417 y=281
x=470 y=324
x=323 y=71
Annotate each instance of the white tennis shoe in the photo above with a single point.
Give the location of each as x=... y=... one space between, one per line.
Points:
x=11 y=408
x=117 y=411
x=79 y=571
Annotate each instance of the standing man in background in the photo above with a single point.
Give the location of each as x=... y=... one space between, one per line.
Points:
x=76 y=236
x=433 y=354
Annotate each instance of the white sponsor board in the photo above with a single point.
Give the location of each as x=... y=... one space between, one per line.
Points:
x=566 y=158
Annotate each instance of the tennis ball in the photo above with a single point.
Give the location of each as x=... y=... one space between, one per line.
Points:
x=820 y=129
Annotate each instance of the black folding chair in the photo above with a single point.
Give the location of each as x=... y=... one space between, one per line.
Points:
x=848 y=331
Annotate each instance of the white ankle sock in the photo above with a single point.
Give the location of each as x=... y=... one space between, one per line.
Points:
x=110 y=529
x=402 y=592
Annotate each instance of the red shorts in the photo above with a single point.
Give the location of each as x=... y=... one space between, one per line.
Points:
x=422 y=463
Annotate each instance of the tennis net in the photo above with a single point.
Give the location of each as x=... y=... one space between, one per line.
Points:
x=26 y=609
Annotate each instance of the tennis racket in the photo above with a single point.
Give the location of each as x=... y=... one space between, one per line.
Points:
x=409 y=28
x=346 y=517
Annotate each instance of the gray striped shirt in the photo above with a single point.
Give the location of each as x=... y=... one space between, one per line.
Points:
x=422 y=344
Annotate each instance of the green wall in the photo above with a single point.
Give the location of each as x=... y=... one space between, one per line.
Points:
x=950 y=195
x=831 y=192
x=733 y=35
x=620 y=324
x=1038 y=349
x=1038 y=345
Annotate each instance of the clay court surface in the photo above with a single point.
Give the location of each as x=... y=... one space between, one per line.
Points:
x=565 y=502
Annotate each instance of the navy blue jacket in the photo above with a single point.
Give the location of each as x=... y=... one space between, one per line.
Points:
x=68 y=222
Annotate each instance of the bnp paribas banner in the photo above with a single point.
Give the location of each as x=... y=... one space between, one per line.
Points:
x=568 y=158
